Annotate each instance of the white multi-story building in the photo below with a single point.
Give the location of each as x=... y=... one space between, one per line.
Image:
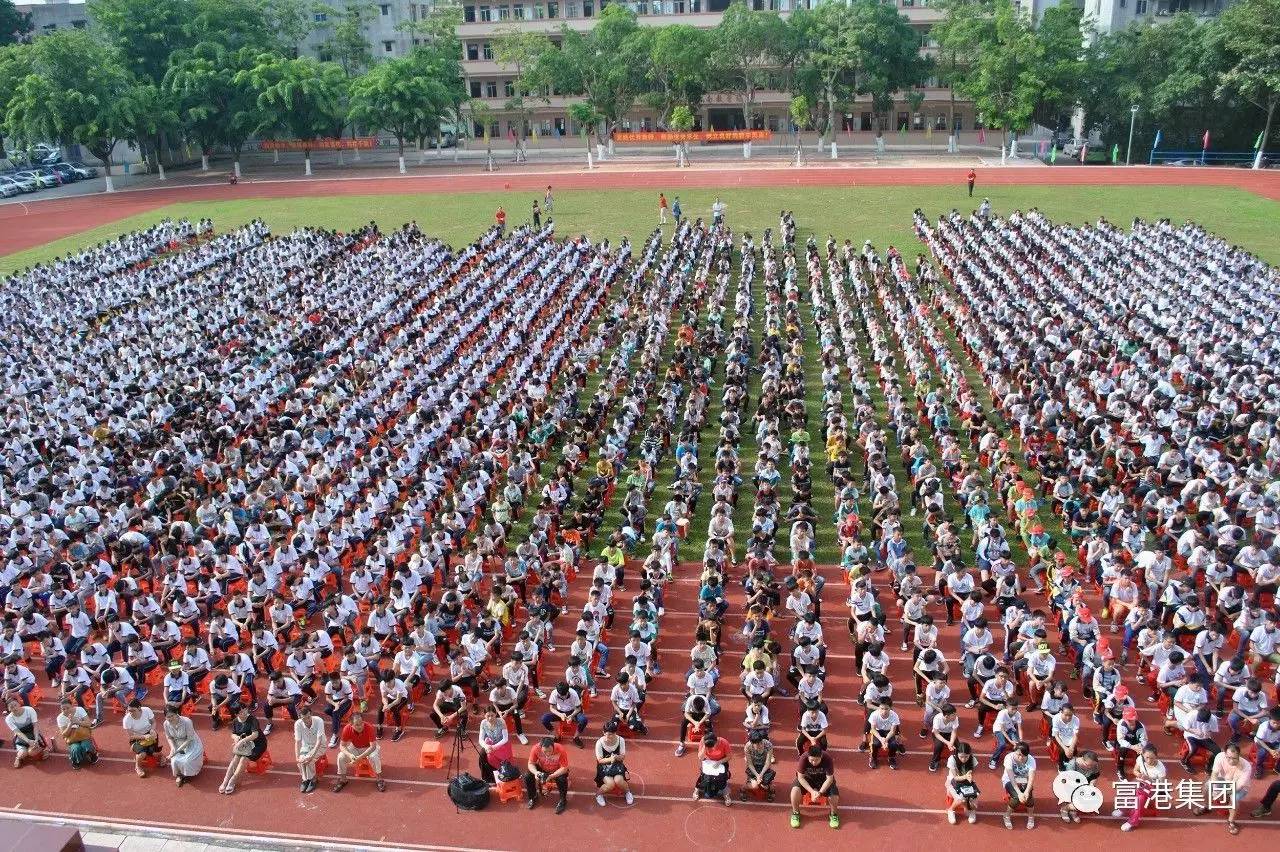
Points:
x=50 y=15
x=487 y=80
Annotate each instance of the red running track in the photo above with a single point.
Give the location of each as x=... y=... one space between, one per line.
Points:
x=39 y=222
x=903 y=808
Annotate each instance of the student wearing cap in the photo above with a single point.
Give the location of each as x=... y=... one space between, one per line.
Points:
x=548 y=762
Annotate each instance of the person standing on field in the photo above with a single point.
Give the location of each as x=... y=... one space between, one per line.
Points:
x=662 y=209
x=973 y=177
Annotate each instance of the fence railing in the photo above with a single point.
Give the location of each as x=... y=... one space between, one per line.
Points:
x=1208 y=158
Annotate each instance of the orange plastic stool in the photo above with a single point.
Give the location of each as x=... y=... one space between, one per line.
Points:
x=820 y=802
x=261 y=765
x=510 y=791
x=431 y=756
x=363 y=769
x=321 y=765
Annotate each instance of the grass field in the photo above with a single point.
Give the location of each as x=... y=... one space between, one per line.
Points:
x=880 y=214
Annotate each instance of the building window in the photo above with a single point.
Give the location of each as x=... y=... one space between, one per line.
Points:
x=1122 y=3
x=469 y=14
x=388 y=46
x=539 y=12
x=324 y=55
x=79 y=25
x=1140 y=7
x=553 y=9
x=504 y=12
x=573 y=10
x=475 y=88
x=491 y=88
x=588 y=9
x=486 y=51
x=385 y=9
x=486 y=14
x=508 y=89
x=903 y=118
x=473 y=51
x=321 y=17
x=517 y=12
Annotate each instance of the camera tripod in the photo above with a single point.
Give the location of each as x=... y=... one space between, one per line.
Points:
x=461 y=741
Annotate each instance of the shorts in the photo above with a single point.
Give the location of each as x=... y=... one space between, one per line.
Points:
x=833 y=790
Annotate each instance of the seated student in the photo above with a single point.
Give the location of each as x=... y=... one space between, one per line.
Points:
x=1019 y=784
x=1086 y=763
x=758 y=758
x=883 y=729
x=960 y=786
x=358 y=741
x=76 y=731
x=713 y=769
x=816 y=776
x=28 y=743
x=548 y=762
x=565 y=705
x=611 y=767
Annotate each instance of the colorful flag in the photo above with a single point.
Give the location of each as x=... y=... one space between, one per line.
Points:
x=982 y=136
x=1053 y=155
x=928 y=131
x=1156 y=144
x=902 y=131
x=1257 y=143
x=1206 y=139
x=1084 y=152
x=535 y=133
x=1115 y=153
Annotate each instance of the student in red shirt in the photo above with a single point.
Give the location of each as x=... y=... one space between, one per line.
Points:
x=358 y=742
x=548 y=761
x=973 y=177
x=501 y=216
x=713 y=769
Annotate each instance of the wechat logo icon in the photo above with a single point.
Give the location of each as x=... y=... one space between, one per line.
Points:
x=1073 y=789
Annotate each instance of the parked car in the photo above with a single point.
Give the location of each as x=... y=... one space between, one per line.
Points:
x=51 y=172
x=65 y=171
x=42 y=181
x=8 y=188
x=24 y=182
x=83 y=171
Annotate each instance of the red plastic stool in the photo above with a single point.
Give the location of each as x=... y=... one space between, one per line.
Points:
x=431 y=756
x=261 y=765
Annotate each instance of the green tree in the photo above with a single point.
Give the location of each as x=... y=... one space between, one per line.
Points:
x=145 y=32
x=1250 y=32
x=682 y=121
x=521 y=52
x=14 y=25
x=800 y=117
x=586 y=117
x=960 y=35
x=154 y=117
x=1171 y=73
x=301 y=97
x=1061 y=36
x=401 y=96
x=213 y=98
x=292 y=21
x=15 y=64
x=743 y=54
x=347 y=43
x=677 y=68
x=1003 y=79
x=233 y=24
x=607 y=64
x=76 y=90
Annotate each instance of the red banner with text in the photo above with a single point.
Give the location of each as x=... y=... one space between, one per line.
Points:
x=363 y=142
x=692 y=136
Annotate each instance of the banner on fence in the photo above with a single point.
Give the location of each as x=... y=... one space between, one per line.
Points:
x=692 y=136
x=318 y=144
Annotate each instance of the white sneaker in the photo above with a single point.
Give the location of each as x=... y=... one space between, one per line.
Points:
x=1126 y=826
x=333 y=741
x=600 y=799
x=951 y=817
x=523 y=739
x=979 y=732
x=1031 y=822
x=973 y=817
x=631 y=800
x=904 y=646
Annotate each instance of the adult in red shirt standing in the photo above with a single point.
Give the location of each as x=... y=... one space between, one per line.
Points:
x=501 y=216
x=973 y=177
x=713 y=769
x=358 y=742
x=548 y=761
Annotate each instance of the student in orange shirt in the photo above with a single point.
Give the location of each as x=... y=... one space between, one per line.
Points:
x=548 y=761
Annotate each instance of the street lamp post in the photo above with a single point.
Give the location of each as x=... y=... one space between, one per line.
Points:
x=1133 y=115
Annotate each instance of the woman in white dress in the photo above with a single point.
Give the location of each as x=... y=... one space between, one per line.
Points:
x=186 y=751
